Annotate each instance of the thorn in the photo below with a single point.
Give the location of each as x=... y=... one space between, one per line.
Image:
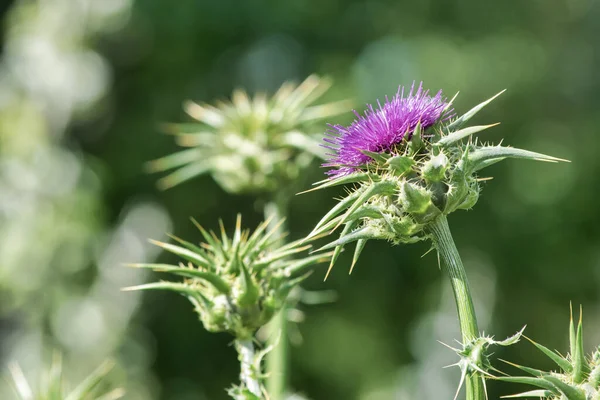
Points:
x=428 y=251
x=328 y=271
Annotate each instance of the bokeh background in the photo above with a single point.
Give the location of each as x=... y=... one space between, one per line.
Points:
x=84 y=85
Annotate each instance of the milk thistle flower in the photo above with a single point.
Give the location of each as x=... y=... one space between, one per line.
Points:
x=578 y=377
x=236 y=284
x=411 y=162
x=381 y=129
x=409 y=166
x=250 y=145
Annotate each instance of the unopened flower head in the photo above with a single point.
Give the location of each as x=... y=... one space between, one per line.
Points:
x=236 y=283
x=383 y=128
x=248 y=144
x=409 y=162
x=577 y=375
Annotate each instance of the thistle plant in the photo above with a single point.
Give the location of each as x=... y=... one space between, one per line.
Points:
x=257 y=146
x=408 y=164
x=250 y=145
x=236 y=284
x=577 y=377
x=52 y=386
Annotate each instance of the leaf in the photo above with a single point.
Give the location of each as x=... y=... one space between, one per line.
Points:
x=184 y=174
x=85 y=388
x=580 y=365
x=479 y=158
x=539 y=382
x=533 y=393
x=561 y=362
x=572 y=393
x=456 y=136
x=354 y=177
x=360 y=245
x=338 y=208
x=175 y=160
x=460 y=121
x=183 y=253
x=378 y=188
x=209 y=277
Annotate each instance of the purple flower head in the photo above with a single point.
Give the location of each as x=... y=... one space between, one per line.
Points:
x=379 y=130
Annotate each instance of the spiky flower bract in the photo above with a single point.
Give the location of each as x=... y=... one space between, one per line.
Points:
x=577 y=377
x=417 y=164
x=250 y=145
x=381 y=129
x=53 y=386
x=236 y=283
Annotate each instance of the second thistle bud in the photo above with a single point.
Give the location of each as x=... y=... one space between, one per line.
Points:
x=238 y=283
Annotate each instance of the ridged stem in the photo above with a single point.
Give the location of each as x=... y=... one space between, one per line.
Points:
x=277 y=358
x=452 y=264
x=245 y=350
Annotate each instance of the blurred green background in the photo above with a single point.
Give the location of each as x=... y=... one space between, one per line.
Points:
x=85 y=84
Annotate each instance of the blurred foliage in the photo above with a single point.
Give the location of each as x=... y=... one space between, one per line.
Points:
x=85 y=86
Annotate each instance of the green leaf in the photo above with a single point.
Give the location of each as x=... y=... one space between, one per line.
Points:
x=354 y=177
x=180 y=288
x=338 y=208
x=457 y=136
x=300 y=265
x=400 y=164
x=214 y=279
x=572 y=393
x=380 y=157
x=533 y=393
x=535 y=372
x=174 y=160
x=580 y=364
x=184 y=174
x=360 y=245
x=479 y=158
x=378 y=188
x=278 y=255
x=366 y=233
x=183 y=253
x=460 y=121
x=250 y=291
x=254 y=237
x=527 y=380
x=85 y=388
x=210 y=239
x=190 y=246
x=338 y=249
x=561 y=362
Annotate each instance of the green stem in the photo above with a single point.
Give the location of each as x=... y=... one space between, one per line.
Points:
x=277 y=358
x=442 y=240
x=245 y=350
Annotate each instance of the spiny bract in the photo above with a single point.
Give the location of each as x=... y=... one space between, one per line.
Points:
x=236 y=284
x=579 y=376
x=250 y=145
x=410 y=177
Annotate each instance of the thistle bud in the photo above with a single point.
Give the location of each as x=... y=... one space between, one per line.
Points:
x=410 y=160
x=250 y=145
x=577 y=377
x=416 y=201
x=434 y=169
x=238 y=283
